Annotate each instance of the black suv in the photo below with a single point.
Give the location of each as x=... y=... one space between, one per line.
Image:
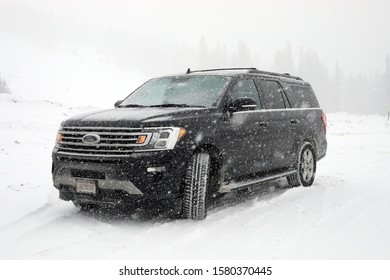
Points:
x=182 y=140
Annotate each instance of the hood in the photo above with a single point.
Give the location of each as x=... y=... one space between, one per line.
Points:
x=132 y=116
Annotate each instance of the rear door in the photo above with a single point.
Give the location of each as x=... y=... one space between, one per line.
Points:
x=282 y=132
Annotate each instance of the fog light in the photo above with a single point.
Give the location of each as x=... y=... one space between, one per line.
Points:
x=156 y=169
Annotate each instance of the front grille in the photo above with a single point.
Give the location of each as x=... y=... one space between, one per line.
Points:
x=92 y=160
x=90 y=174
x=113 y=141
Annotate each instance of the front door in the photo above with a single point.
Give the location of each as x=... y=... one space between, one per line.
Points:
x=245 y=132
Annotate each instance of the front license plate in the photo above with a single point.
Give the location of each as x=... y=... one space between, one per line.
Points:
x=86 y=186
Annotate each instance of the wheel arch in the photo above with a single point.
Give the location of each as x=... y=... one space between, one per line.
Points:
x=216 y=170
x=313 y=143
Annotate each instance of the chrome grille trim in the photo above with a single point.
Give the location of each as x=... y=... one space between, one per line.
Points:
x=98 y=132
x=100 y=128
x=115 y=141
x=93 y=155
x=101 y=138
x=94 y=150
x=100 y=144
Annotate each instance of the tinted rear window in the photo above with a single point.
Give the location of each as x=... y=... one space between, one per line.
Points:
x=301 y=96
x=272 y=95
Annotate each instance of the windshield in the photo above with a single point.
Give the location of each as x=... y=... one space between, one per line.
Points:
x=182 y=91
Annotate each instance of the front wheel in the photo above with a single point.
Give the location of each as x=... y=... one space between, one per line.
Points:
x=306 y=167
x=196 y=187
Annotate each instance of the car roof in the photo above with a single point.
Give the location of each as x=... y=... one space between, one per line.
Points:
x=234 y=72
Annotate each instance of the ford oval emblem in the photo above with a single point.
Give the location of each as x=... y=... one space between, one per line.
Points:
x=91 y=139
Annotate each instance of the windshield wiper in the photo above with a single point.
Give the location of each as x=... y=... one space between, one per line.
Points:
x=131 y=106
x=176 y=105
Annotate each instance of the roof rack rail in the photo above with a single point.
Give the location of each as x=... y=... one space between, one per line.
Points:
x=287 y=75
x=221 y=69
x=250 y=70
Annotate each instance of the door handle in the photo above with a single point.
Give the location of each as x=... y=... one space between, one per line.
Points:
x=263 y=124
x=294 y=121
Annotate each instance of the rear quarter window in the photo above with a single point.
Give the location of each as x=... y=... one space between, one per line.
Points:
x=301 y=96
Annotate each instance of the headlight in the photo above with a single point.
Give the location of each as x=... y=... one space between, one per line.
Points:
x=163 y=138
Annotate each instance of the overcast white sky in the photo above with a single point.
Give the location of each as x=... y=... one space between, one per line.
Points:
x=354 y=33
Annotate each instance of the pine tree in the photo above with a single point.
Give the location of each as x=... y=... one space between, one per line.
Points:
x=4 y=88
x=387 y=75
x=337 y=88
x=387 y=83
x=283 y=61
x=312 y=69
x=203 y=54
x=218 y=56
x=243 y=56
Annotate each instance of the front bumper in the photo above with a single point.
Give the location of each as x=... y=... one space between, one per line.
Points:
x=123 y=180
x=113 y=197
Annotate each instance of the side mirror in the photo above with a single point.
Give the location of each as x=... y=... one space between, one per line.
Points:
x=243 y=104
x=116 y=105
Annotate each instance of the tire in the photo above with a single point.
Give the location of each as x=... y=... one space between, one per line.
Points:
x=196 y=187
x=306 y=167
x=293 y=180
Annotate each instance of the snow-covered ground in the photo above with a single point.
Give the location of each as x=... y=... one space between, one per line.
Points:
x=344 y=215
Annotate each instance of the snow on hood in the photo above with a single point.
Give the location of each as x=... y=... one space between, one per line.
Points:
x=117 y=116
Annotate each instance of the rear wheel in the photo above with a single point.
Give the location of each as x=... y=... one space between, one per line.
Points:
x=196 y=187
x=306 y=167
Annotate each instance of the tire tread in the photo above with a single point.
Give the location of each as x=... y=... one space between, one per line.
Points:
x=196 y=186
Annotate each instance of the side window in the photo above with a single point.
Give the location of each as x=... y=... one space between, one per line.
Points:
x=272 y=94
x=301 y=96
x=245 y=92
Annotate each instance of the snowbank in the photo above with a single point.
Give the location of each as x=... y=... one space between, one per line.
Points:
x=344 y=215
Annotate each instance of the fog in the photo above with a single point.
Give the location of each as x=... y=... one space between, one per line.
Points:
x=79 y=48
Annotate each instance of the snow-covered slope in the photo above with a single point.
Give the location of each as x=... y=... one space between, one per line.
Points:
x=344 y=215
x=65 y=73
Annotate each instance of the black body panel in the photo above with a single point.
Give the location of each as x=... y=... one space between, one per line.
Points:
x=253 y=141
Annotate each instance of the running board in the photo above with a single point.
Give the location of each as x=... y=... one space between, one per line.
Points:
x=245 y=183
